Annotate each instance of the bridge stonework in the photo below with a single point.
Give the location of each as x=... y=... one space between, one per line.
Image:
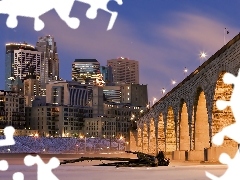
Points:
x=186 y=118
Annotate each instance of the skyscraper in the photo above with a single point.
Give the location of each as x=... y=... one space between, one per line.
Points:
x=87 y=71
x=124 y=70
x=31 y=87
x=49 y=62
x=106 y=72
x=18 y=58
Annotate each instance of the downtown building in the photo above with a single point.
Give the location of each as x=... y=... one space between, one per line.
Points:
x=102 y=127
x=124 y=70
x=125 y=114
x=61 y=112
x=123 y=102
x=12 y=110
x=106 y=72
x=49 y=61
x=31 y=88
x=87 y=71
x=66 y=93
x=57 y=120
x=19 y=57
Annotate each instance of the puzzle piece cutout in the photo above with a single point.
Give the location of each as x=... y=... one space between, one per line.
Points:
x=44 y=170
x=101 y=4
x=3 y=165
x=231 y=131
x=18 y=176
x=25 y=8
x=233 y=172
x=9 y=140
x=63 y=8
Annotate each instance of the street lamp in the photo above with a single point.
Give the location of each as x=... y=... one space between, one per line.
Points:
x=154 y=99
x=163 y=91
x=203 y=55
x=173 y=82
x=85 y=142
x=147 y=106
x=76 y=148
x=185 y=71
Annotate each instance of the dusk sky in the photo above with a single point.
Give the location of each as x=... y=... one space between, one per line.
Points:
x=163 y=35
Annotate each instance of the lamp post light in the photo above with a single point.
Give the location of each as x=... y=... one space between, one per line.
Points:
x=85 y=143
x=185 y=71
x=76 y=148
x=154 y=99
x=203 y=55
x=147 y=106
x=121 y=138
x=163 y=91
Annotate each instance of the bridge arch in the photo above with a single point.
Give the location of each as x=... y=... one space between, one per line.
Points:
x=221 y=119
x=171 y=143
x=145 y=138
x=201 y=124
x=184 y=136
x=140 y=139
x=161 y=134
x=152 y=138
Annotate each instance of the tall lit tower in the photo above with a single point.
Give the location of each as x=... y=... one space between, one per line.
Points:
x=18 y=58
x=87 y=71
x=49 y=62
x=124 y=70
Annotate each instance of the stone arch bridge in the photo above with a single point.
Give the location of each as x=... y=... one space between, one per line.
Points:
x=183 y=122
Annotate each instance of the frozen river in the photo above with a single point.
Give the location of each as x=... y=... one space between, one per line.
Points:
x=85 y=171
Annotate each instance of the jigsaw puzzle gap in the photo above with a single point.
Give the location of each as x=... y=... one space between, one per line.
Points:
x=114 y=6
x=15 y=8
x=231 y=131
x=3 y=165
x=18 y=176
x=44 y=169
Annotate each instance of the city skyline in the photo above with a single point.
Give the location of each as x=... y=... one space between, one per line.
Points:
x=165 y=37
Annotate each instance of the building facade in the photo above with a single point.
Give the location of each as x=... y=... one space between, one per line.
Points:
x=31 y=89
x=58 y=121
x=66 y=93
x=125 y=115
x=18 y=57
x=23 y=60
x=87 y=71
x=100 y=127
x=112 y=94
x=97 y=101
x=12 y=110
x=49 y=60
x=124 y=70
x=106 y=72
x=134 y=94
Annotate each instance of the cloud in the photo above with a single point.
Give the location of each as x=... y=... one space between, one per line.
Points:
x=196 y=30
